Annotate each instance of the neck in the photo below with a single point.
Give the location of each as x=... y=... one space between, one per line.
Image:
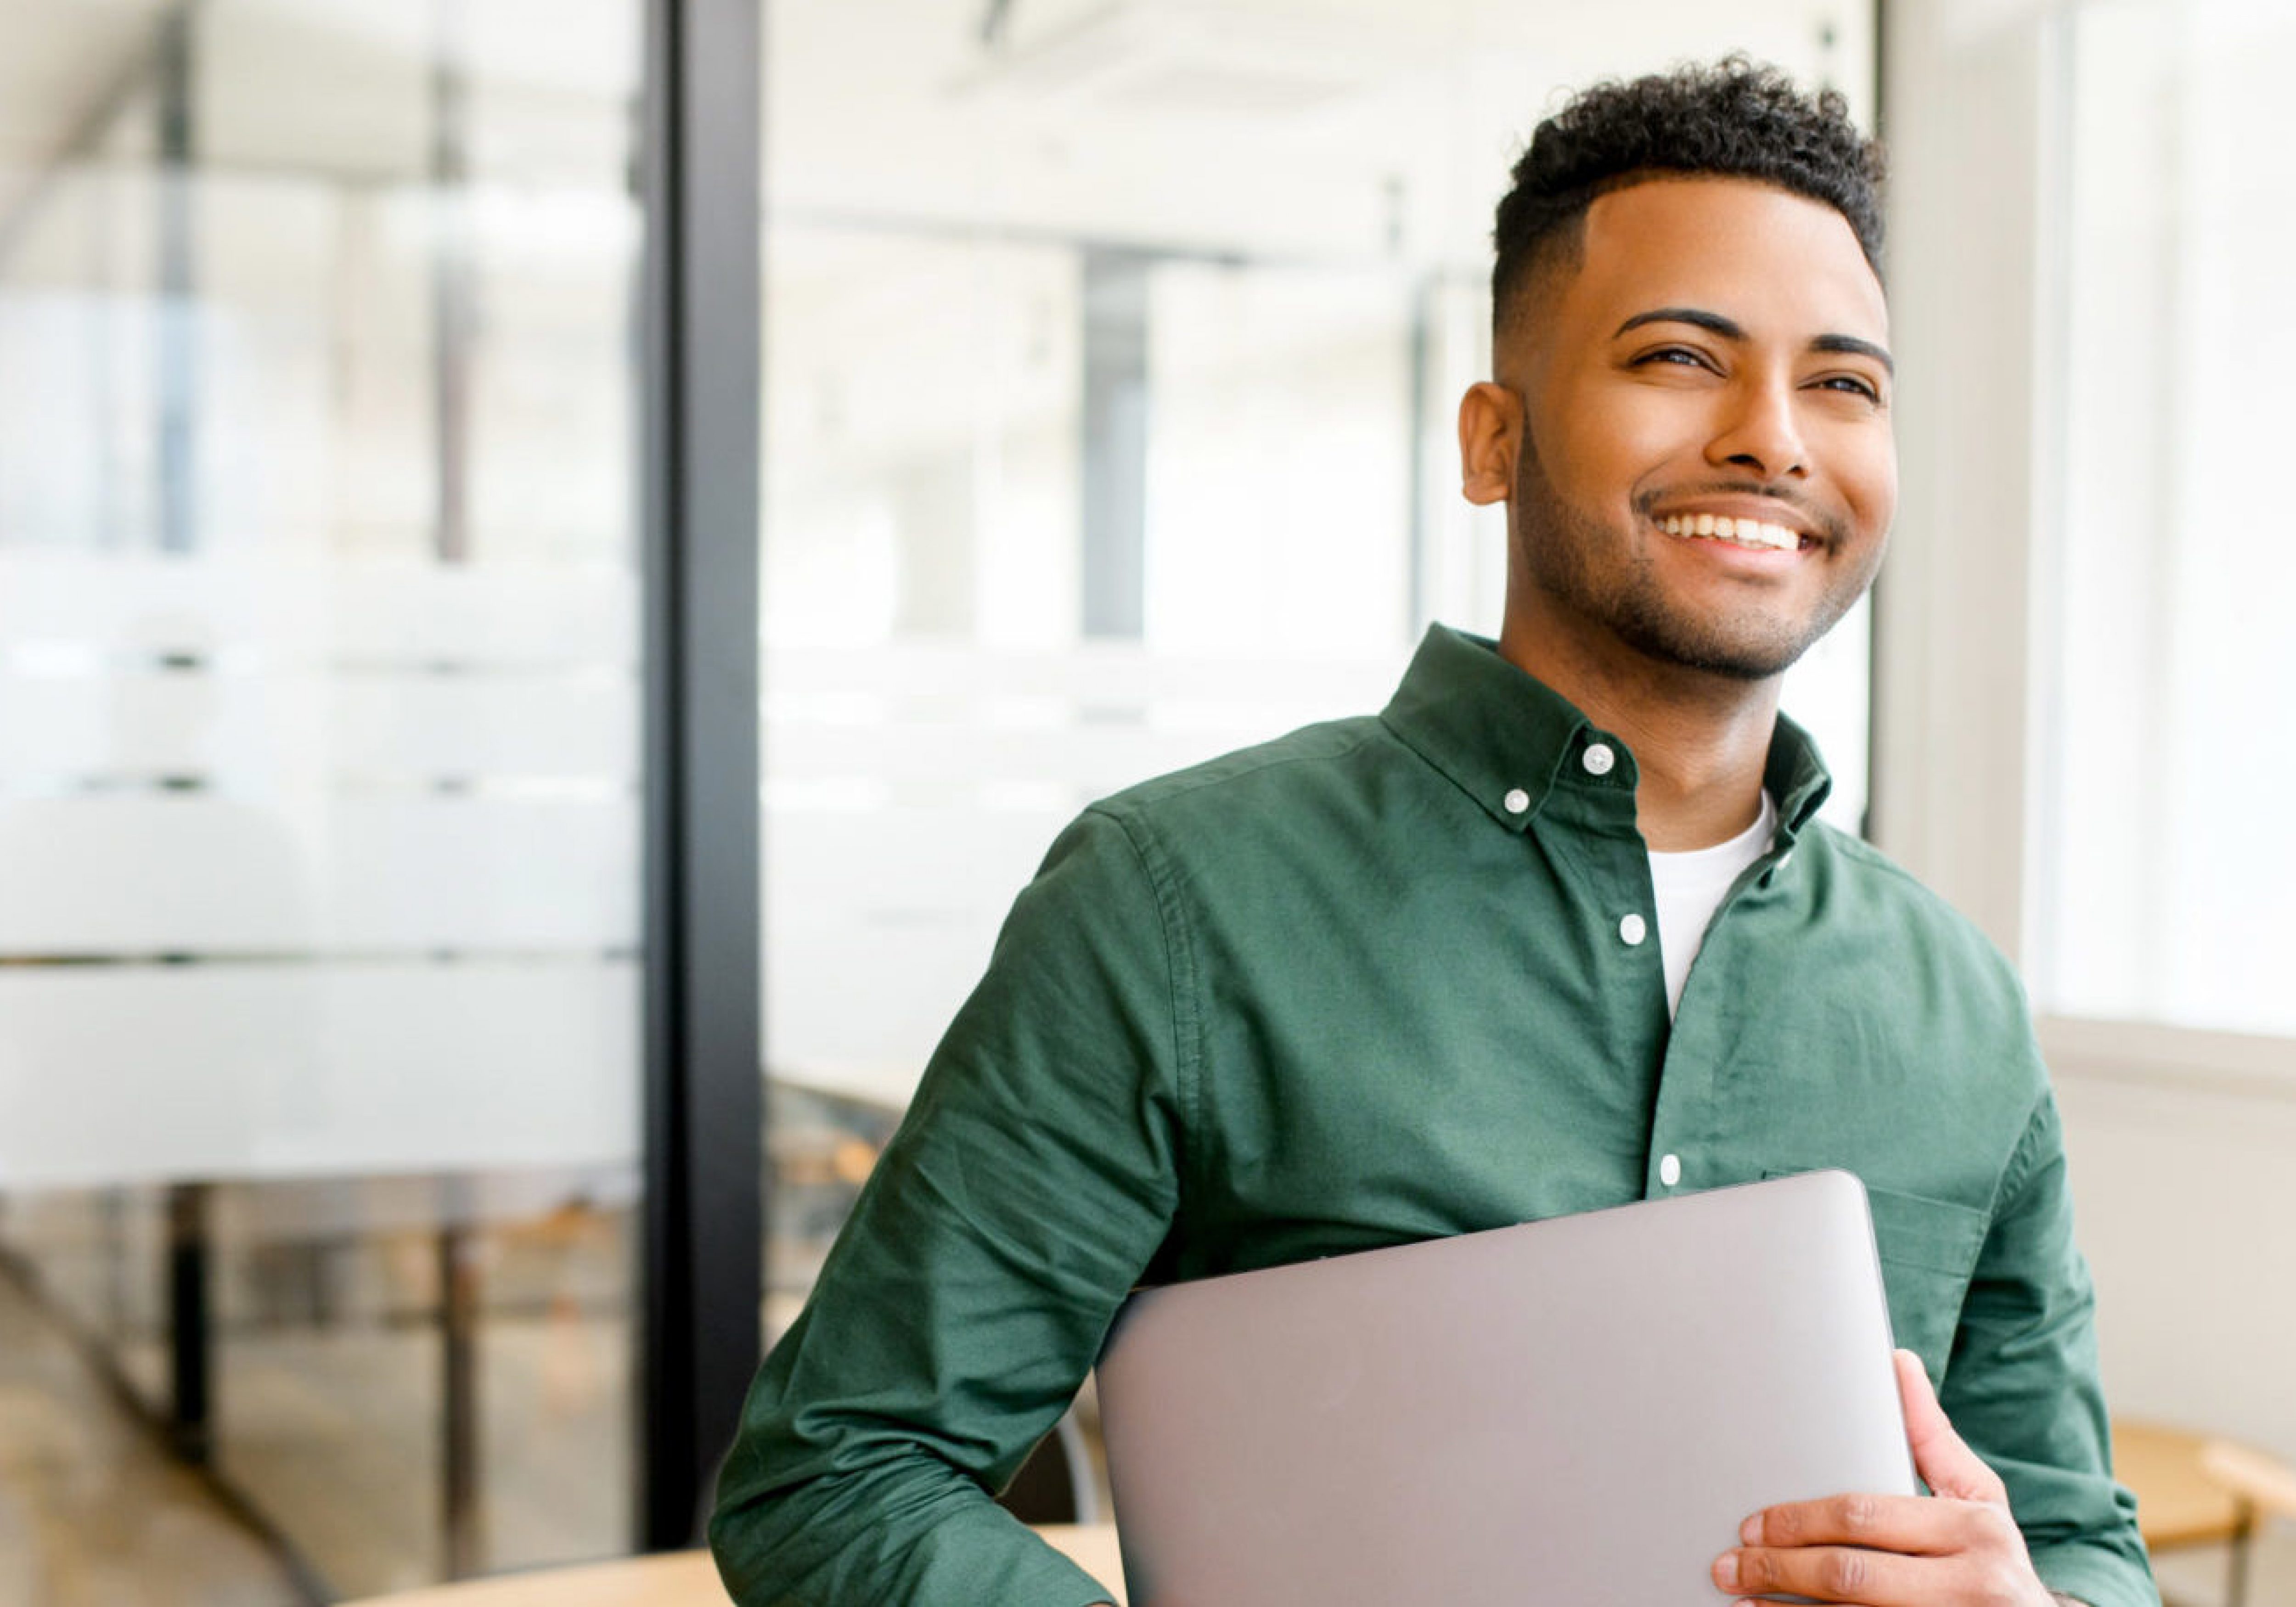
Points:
x=1701 y=741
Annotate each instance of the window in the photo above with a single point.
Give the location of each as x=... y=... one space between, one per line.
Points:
x=2163 y=644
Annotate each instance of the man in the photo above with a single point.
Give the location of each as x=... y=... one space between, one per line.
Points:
x=1433 y=972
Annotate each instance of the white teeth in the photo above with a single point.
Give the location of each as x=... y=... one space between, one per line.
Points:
x=1739 y=532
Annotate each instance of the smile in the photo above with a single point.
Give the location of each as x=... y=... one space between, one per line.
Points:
x=1757 y=534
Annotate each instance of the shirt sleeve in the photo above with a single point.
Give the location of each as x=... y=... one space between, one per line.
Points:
x=2022 y=1387
x=1033 y=1180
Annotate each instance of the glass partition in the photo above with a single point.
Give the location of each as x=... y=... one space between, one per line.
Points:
x=319 y=826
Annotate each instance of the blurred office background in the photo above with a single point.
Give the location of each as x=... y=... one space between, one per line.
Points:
x=1103 y=421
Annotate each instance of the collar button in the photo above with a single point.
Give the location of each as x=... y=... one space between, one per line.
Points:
x=1516 y=801
x=1598 y=758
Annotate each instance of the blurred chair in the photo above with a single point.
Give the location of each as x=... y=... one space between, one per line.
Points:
x=1055 y=1485
x=2194 y=1490
x=2261 y=1486
x=2178 y=1506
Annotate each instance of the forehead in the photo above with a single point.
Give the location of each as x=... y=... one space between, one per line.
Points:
x=1779 y=263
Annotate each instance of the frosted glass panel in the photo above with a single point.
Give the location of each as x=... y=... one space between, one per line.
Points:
x=229 y=756
x=320 y=798
x=294 y=1070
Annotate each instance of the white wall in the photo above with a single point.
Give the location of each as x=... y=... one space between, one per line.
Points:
x=2181 y=1180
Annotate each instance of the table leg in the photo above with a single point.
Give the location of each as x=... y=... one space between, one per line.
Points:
x=2244 y=1530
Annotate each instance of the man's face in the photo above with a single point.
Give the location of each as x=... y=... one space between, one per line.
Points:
x=1718 y=355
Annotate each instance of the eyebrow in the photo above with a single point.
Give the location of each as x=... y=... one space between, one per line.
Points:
x=1853 y=346
x=1730 y=328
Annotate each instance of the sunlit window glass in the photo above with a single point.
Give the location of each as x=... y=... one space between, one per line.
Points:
x=2166 y=591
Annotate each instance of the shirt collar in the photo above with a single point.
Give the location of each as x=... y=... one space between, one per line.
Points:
x=1503 y=737
x=1797 y=777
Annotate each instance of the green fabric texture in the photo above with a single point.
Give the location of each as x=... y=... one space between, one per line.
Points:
x=1365 y=984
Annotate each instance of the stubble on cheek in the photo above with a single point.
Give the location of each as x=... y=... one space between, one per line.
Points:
x=1610 y=578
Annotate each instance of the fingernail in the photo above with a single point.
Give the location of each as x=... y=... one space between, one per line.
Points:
x=1750 y=1530
x=1726 y=1570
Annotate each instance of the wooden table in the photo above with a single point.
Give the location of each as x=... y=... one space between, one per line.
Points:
x=689 y=1578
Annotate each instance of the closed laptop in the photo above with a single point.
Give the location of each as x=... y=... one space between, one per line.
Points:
x=1575 y=1411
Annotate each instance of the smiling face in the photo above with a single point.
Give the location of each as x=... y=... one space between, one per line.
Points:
x=1690 y=427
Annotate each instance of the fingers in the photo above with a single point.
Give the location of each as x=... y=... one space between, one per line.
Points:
x=1912 y=1524
x=1943 y=1459
x=1992 y=1566
x=1893 y=1551
x=1829 y=1573
x=1883 y=1551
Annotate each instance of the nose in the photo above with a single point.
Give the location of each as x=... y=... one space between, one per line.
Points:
x=1758 y=431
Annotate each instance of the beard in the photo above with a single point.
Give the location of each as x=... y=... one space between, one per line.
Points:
x=1581 y=564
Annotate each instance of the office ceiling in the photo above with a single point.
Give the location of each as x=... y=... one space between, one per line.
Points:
x=1320 y=128
x=1353 y=128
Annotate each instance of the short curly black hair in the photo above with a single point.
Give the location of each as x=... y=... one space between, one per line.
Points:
x=1736 y=119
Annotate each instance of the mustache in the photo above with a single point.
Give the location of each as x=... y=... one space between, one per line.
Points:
x=1830 y=526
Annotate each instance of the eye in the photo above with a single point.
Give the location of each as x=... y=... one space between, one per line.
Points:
x=1683 y=356
x=1851 y=385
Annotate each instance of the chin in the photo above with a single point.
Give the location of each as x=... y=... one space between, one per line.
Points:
x=1749 y=656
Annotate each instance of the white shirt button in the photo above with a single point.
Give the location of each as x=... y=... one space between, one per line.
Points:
x=1633 y=929
x=1517 y=800
x=1669 y=1169
x=1598 y=758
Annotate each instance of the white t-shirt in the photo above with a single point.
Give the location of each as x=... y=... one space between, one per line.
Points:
x=1689 y=889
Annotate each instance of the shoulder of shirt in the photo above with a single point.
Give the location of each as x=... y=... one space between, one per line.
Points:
x=1926 y=913
x=1247 y=777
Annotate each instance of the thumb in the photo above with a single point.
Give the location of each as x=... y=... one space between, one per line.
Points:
x=1941 y=1456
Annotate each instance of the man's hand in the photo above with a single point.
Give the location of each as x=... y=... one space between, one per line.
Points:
x=1958 y=1547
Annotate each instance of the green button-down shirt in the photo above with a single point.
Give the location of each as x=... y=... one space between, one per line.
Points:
x=1371 y=983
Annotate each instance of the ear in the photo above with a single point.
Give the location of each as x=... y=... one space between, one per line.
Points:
x=1491 y=433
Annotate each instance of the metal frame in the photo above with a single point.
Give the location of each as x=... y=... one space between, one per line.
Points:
x=703 y=1207
x=191 y=1351
x=1113 y=448
x=461 y=1473
x=454 y=282
x=1876 y=661
x=177 y=376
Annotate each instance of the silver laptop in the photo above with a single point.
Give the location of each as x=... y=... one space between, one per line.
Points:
x=1579 y=1410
